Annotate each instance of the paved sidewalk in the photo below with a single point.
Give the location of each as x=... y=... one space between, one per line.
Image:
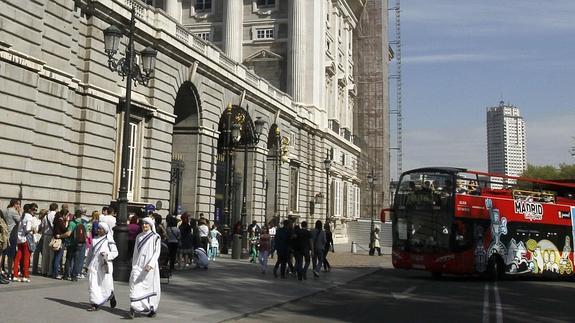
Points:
x=229 y=290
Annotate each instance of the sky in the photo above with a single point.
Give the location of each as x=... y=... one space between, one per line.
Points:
x=460 y=57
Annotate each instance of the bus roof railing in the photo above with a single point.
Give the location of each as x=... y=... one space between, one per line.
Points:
x=525 y=179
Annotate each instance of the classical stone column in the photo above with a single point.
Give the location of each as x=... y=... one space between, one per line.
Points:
x=174 y=9
x=233 y=29
x=296 y=50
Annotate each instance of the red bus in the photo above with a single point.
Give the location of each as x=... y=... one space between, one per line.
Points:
x=458 y=221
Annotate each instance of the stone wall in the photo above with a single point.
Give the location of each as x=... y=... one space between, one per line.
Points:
x=61 y=111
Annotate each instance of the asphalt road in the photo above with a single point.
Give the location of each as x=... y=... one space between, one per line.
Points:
x=391 y=295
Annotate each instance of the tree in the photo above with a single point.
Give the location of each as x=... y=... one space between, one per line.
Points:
x=572 y=150
x=567 y=171
x=564 y=171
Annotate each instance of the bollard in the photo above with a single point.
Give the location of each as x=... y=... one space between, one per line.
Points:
x=237 y=246
x=353 y=247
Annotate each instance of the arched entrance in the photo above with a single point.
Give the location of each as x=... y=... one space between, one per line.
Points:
x=186 y=138
x=238 y=136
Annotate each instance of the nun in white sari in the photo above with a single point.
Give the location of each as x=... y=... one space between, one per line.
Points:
x=145 y=276
x=99 y=263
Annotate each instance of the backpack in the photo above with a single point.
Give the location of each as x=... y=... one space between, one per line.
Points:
x=80 y=233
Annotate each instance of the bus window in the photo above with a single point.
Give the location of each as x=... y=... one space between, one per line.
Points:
x=423 y=211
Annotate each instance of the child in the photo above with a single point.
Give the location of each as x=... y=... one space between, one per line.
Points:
x=214 y=243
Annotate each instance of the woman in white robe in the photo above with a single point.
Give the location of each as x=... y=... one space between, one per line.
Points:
x=100 y=268
x=145 y=277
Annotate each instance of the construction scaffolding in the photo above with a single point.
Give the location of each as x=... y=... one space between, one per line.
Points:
x=395 y=45
x=371 y=114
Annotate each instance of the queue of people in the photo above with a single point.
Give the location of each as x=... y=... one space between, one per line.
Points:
x=51 y=243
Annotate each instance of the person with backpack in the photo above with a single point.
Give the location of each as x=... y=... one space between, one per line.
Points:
x=75 y=246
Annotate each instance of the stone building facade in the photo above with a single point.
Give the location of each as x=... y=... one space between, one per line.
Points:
x=62 y=110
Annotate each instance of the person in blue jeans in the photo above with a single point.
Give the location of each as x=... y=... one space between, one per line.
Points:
x=319 y=241
x=59 y=229
x=75 y=247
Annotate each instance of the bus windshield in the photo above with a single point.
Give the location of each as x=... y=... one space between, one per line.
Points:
x=423 y=210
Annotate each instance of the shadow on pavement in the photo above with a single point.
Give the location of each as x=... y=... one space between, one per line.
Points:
x=80 y=305
x=85 y=305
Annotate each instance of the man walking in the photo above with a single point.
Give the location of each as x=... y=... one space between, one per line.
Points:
x=302 y=248
x=282 y=247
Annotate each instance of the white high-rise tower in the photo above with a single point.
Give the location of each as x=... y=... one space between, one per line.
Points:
x=505 y=140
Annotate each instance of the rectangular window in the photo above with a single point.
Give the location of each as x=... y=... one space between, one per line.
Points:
x=265 y=33
x=203 y=5
x=266 y=3
x=292 y=139
x=357 y=201
x=294 y=189
x=133 y=158
x=133 y=171
x=205 y=35
x=345 y=200
x=336 y=198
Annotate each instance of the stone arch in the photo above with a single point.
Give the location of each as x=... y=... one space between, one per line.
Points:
x=185 y=151
x=229 y=166
x=188 y=106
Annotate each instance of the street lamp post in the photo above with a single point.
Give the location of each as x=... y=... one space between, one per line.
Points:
x=256 y=133
x=277 y=175
x=232 y=132
x=371 y=181
x=128 y=69
x=327 y=166
x=253 y=133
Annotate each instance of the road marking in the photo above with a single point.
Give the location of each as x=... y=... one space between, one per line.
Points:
x=486 y=304
x=498 y=307
x=404 y=294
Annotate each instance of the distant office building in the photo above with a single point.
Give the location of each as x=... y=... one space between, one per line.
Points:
x=505 y=140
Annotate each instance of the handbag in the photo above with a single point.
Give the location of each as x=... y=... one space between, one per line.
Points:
x=55 y=244
x=31 y=242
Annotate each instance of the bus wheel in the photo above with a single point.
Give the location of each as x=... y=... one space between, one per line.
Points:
x=495 y=269
x=436 y=275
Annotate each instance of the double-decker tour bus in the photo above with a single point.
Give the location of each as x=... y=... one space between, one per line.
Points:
x=458 y=221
